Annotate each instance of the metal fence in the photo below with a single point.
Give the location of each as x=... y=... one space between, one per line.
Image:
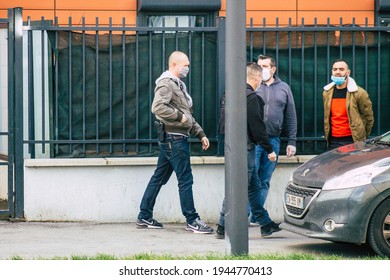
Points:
x=305 y=54
x=90 y=87
x=96 y=86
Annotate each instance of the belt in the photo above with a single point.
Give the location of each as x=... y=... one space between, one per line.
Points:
x=176 y=137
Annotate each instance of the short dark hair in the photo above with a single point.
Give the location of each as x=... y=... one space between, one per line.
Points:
x=340 y=60
x=263 y=56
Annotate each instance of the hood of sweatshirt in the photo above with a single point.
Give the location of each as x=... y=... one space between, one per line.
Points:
x=168 y=75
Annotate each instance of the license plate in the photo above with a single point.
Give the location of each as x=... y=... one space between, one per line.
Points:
x=294 y=201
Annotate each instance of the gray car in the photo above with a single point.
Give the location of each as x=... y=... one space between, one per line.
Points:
x=343 y=195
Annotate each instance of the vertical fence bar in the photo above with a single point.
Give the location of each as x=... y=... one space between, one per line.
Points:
x=203 y=78
x=277 y=46
x=264 y=36
x=221 y=49
x=163 y=49
x=176 y=34
x=110 y=85
x=56 y=94
x=150 y=87
x=289 y=53
x=84 y=82
x=341 y=38
x=189 y=45
x=315 y=82
x=353 y=48
x=43 y=66
x=70 y=109
x=366 y=55
x=137 y=83
x=97 y=84
x=31 y=108
x=327 y=51
x=379 y=62
x=251 y=41
x=123 y=85
x=303 y=83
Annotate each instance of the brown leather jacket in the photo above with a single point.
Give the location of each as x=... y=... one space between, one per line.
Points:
x=359 y=110
x=170 y=102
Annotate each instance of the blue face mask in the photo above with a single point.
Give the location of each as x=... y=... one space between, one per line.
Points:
x=338 y=80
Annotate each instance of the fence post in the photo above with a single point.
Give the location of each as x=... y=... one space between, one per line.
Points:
x=15 y=93
x=221 y=49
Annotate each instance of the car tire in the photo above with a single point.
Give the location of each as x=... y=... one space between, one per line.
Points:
x=378 y=235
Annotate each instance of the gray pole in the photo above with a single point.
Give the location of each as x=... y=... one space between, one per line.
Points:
x=16 y=94
x=236 y=170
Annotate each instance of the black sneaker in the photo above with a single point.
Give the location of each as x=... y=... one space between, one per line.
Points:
x=220 y=232
x=269 y=229
x=148 y=223
x=198 y=226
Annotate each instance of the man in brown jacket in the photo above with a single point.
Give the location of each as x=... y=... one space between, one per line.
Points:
x=348 y=115
x=172 y=106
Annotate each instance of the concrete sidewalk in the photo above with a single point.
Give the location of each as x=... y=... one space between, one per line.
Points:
x=30 y=240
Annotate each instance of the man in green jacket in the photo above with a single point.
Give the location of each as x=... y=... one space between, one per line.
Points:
x=348 y=115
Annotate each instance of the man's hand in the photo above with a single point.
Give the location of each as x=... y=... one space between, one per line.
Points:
x=272 y=156
x=205 y=143
x=290 y=150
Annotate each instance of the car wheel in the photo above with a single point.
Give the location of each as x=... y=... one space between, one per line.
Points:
x=378 y=235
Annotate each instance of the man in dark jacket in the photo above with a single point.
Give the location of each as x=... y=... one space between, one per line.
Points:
x=256 y=135
x=279 y=115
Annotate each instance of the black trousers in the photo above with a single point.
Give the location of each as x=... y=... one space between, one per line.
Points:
x=335 y=142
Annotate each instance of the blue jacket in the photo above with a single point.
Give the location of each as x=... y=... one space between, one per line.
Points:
x=279 y=110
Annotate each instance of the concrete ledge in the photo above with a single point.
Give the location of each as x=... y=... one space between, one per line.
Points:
x=129 y=161
x=137 y=161
x=110 y=189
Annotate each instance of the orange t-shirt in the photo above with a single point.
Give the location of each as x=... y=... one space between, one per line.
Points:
x=338 y=114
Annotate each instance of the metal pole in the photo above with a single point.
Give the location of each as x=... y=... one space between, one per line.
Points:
x=11 y=113
x=236 y=170
x=18 y=87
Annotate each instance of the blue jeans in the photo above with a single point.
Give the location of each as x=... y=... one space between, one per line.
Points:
x=174 y=156
x=259 y=213
x=265 y=167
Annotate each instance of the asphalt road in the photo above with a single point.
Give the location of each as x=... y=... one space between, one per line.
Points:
x=30 y=240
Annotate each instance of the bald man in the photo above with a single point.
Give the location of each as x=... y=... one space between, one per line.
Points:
x=172 y=107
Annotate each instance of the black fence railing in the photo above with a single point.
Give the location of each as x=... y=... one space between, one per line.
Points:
x=304 y=56
x=91 y=87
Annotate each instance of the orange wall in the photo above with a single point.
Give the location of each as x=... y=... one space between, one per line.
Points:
x=117 y=9
x=309 y=10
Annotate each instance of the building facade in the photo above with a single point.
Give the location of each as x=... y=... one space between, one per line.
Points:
x=286 y=11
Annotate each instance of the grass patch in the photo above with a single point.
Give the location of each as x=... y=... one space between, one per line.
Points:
x=147 y=256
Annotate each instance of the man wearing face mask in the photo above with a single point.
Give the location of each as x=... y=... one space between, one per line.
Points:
x=256 y=135
x=172 y=106
x=348 y=115
x=279 y=115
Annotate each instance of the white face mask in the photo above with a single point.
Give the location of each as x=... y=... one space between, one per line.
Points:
x=266 y=74
x=183 y=72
